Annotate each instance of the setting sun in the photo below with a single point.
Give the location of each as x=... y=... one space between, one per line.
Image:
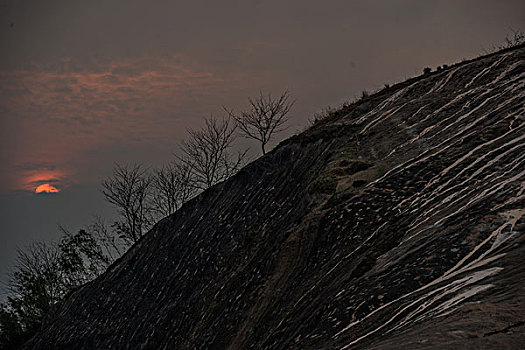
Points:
x=46 y=188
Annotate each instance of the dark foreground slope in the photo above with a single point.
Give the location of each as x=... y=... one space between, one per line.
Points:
x=397 y=223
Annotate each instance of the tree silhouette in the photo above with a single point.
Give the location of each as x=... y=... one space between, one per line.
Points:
x=207 y=153
x=43 y=274
x=265 y=117
x=127 y=189
x=172 y=185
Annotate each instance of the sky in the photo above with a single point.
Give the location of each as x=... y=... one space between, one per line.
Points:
x=88 y=84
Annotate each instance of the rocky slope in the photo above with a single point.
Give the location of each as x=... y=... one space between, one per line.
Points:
x=395 y=223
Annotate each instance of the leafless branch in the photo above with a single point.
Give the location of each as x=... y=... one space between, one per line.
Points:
x=112 y=246
x=127 y=189
x=207 y=153
x=266 y=117
x=172 y=185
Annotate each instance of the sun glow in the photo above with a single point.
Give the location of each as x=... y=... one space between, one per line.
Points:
x=46 y=188
x=42 y=181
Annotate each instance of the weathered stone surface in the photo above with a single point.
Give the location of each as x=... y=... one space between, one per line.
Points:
x=397 y=223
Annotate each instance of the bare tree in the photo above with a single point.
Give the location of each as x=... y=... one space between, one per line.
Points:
x=128 y=189
x=38 y=273
x=515 y=38
x=111 y=244
x=172 y=186
x=207 y=153
x=266 y=117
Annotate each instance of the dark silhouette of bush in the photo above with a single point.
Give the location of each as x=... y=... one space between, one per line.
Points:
x=44 y=273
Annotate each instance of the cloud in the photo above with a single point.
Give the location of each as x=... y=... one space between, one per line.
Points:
x=55 y=113
x=35 y=167
x=32 y=179
x=32 y=175
x=103 y=91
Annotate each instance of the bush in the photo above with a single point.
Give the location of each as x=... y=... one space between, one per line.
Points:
x=44 y=274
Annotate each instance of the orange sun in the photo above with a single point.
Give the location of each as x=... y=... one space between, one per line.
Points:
x=46 y=188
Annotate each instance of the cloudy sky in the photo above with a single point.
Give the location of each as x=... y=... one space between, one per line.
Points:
x=86 y=84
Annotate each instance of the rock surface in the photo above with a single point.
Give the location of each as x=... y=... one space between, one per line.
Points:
x=396 y=223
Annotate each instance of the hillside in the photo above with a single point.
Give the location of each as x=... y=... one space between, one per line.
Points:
x=395 y=223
